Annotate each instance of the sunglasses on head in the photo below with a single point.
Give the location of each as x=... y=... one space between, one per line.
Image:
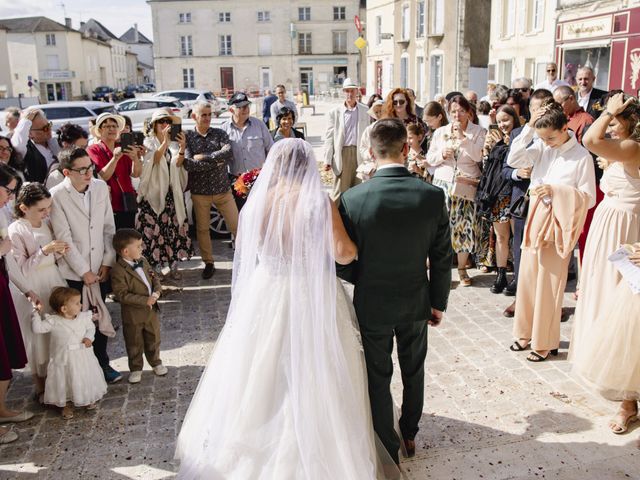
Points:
x=399 y=102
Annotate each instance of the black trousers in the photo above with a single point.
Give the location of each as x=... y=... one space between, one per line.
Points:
x=100 y=341
x=518 y=232
x=411 y=339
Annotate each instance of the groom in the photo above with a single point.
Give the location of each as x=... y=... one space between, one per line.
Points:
x=398 y=223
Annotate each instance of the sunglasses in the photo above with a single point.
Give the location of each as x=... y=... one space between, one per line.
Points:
x=164 y=121
x=46 y=128
x=399 y=102
x=83 y=171
x=6 y=149
x=551 y=71
x=10 y=191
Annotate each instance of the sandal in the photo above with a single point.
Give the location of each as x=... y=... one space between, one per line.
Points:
x=517 y=346
x=67 y=412
x=465 y=280
x=535 y=357
x=622 y=427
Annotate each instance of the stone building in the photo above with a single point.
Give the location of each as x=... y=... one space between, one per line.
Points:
x=94 y=29
x=140 y=45
x=227 y=45
x=431 y=46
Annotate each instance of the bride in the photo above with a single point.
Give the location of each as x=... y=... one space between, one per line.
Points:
x=284 y=395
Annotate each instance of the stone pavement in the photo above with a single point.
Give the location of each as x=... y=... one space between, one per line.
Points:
x=488 y=413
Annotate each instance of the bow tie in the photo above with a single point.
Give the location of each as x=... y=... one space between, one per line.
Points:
x=137 y=264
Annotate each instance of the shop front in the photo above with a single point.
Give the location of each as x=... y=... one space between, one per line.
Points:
x=608 y=43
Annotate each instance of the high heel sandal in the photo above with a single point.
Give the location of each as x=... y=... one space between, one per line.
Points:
x=516 y=346
x=535 y=357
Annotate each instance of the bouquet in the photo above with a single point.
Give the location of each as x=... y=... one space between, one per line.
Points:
x=243 y=184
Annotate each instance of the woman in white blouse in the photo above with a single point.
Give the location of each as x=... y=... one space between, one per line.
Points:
x=558 y=161
x=456 y=151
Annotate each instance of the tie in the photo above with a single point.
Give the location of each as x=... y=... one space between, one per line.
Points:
x=137 y=264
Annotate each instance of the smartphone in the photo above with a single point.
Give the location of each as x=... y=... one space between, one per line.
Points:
x=175 y=130
x=127 y=140
x=494 y=126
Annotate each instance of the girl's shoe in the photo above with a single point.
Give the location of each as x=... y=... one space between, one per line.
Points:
x=535 y=357
x=627 y=419
x=67 y=412
x=92 y=406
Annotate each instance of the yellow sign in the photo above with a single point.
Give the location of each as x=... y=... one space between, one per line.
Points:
x=360 y=43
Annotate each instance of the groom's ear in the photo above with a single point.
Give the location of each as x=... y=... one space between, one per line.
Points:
x=371 y=153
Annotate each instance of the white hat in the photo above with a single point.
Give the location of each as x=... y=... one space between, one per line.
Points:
x=164 y=113
x=348 y=83
x=106 y=116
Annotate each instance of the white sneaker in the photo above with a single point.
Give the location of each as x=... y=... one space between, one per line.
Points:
x=160 y=370
x=135 y=377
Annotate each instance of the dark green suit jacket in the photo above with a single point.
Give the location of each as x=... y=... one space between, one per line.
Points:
x=398 y=222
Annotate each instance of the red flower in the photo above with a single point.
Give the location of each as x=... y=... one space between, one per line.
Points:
x=243 y=184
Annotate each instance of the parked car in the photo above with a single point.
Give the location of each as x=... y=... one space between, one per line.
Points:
x=130 y=91
x=103 y=92
x=79 y=112
x=189 y=96
x=139 y=109
x=150 y=87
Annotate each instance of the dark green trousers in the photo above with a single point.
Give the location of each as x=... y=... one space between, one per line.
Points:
x=411 y=339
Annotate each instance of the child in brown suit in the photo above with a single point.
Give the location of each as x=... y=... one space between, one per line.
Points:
x=137 y=290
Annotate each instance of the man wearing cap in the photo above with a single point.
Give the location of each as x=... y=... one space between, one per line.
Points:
x=207 y=157
x=282 y=101
x=32 y=140
x=250 y=138
x=345 y=127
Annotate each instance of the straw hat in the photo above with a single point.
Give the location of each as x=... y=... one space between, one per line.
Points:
x=348 y=83
x=95 y=130
x=164 y=113
x=372 y=112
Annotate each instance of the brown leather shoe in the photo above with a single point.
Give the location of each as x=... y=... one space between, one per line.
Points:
x=410 y=446
x=510 y=311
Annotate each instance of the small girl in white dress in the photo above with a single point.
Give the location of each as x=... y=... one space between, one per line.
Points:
x=74 y=377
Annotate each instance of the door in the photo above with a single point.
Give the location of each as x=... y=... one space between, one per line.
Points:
x=226 y=79
x=306 y=80
x=265 y=78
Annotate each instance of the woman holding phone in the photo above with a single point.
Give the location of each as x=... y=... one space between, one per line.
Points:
x=162 y=216
x=117 y=164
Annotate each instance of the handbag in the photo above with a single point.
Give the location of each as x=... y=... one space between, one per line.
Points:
x=129 y=199
x=520 y=207
x=464 y=186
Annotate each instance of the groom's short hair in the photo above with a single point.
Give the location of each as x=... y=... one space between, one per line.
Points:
x=388 y=137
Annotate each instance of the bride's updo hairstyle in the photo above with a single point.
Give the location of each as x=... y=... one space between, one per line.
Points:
x=553 y=117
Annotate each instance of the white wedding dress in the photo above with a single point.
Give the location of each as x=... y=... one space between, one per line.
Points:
x=284 y=395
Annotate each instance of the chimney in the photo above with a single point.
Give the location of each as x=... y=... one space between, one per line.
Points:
x=67 y=22
x=82 y=24
x=136 y=37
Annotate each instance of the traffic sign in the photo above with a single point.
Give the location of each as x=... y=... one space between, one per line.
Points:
x=356 y=20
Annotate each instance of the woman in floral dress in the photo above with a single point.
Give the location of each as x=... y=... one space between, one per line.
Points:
x=162 y=216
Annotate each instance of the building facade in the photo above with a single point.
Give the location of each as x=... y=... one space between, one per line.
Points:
x=431 y=46
x=142 y=47
x=603 y=35
x=522 y=38
x=306 y=45
x=94 y=29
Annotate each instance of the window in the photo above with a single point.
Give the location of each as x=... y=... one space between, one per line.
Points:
x=304 y=43
x=264 y=44
x=264 y=16
x=339 y=13
x=184 y=17
x=340 y=42
x=378 y=30
x=504 y=70
x=186 y=46
x=508 y=18
x=225 y=45
x=419 y=77
x=535 y=13
x=188 y=78
x=51 y=39
x=404 y=72
x=420 y=20
x=304 y=14
x=406 y=22
x=224 y=17
x=437 y=18
x=529 y=67
x=435 y=81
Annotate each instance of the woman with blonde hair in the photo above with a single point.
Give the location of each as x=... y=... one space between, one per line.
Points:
x=162 y=216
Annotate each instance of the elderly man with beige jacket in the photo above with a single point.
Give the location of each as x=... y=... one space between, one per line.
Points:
x=346 y=124
x=81 y=216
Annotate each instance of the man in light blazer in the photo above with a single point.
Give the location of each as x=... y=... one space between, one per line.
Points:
x=341 y=153
x=81 y=215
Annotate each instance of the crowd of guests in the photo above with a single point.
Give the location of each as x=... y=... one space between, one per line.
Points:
x=530 y=176
x=85 y=214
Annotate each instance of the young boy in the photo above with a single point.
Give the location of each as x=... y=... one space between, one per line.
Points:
x=137 y=290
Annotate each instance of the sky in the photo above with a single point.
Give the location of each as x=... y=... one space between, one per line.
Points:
x=117 y=15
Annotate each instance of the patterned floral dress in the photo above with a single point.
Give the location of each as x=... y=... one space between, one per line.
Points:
x=165 y=241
